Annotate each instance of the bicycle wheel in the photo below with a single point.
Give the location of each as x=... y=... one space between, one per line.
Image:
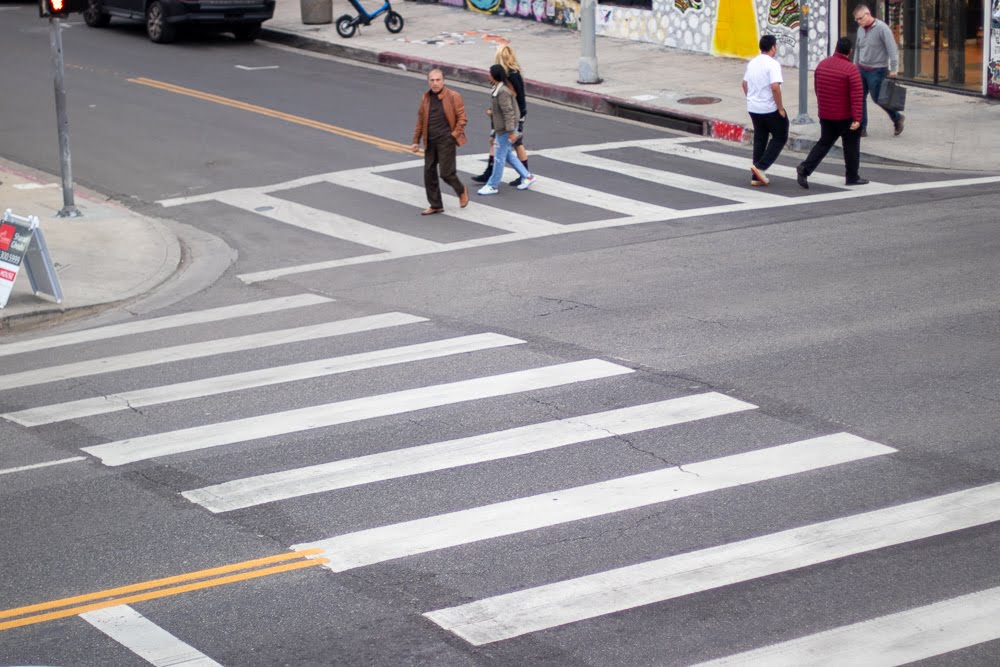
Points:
x=393 y=22
x=346 y=26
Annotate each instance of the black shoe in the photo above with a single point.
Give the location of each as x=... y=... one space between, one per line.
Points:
x=859 y=181
x=800 y=177
x=898 y=125
x=485 y=176
x=864 y=132
x=515 y=182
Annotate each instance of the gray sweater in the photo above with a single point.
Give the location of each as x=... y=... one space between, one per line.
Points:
x=876 y=47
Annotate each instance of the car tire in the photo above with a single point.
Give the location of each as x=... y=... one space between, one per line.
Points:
x=93 y=16
x=157 y=28
x=346 y=26
x=246 y=33
x=393 y=22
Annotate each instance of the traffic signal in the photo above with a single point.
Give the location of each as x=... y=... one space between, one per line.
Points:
x=61 y=8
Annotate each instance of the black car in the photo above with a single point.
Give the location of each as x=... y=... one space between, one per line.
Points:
x=163 y=17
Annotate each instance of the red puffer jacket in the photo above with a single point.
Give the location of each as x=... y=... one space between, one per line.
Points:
x=838 y=89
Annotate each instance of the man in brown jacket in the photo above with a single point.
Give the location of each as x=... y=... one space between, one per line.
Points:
x=441 y=124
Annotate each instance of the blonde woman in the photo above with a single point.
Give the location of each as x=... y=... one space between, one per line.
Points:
x=507 y=59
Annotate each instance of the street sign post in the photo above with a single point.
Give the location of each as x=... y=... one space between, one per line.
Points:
x=22 y=243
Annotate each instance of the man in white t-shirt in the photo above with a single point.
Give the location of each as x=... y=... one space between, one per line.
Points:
x=762 y=87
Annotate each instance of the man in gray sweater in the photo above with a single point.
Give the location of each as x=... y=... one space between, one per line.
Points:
x=875 y=50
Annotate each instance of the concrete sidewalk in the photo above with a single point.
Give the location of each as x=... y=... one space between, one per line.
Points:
x=945 y=130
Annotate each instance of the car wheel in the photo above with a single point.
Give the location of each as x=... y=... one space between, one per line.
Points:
x=247 y=33
x=346 y=26
x=93 y=16
x=157 y=27
x=393 y=22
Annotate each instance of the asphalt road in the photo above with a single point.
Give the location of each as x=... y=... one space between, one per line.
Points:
x=870 y=313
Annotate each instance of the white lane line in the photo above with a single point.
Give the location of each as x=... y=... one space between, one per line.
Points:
x=579 y=194
x=88 y=407
x=252 y=491
x=319 y=416
x=161 y=323
x=715 y=157
x=35 y=466
x=669 y=178
x=887 y=641
x=324 y=222
x=206 y=349
x=258 y=68
x=414 y=195
x=146 y=639
x=542 y=607
x=617 y=495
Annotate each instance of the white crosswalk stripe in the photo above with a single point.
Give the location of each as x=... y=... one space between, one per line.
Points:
x=149 y=641
x=292 y=421
x=534 y=609
x=465 y=451
x=616 y=495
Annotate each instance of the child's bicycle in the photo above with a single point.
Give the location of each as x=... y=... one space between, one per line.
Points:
x=347 y=24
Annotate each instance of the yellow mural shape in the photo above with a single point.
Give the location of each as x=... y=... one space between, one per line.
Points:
x=736 y=29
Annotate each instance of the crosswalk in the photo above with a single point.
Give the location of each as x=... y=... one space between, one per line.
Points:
x=495 y=379
x=671 y=179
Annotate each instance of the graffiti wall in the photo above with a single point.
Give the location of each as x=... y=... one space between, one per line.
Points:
x=721 y=27
x=993 y=66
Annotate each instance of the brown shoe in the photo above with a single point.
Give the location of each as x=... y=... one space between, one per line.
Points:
x=463 y=199
x=898 y=125
x=431 y=211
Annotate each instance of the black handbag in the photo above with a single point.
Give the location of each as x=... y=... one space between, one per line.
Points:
x=892 y=95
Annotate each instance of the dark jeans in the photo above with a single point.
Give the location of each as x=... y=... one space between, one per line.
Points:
x=770 y=132
x=440 y=154
x=829 y=132
x=872 y=81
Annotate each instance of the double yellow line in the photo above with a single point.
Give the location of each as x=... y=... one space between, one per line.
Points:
x=384 y=144
x=165 y=587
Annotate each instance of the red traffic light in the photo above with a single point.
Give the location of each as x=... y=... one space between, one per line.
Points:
x=60 y=7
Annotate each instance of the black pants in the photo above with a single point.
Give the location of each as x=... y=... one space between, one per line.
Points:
x=440 y=154
x=829 y=132
x=770 y=132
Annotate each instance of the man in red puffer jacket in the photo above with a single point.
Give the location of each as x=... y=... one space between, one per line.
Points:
x=840 y=96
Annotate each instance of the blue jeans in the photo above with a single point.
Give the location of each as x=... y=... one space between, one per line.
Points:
x=872 y=81
x=503 y=153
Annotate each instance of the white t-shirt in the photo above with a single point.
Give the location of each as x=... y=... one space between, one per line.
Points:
x=762 y=71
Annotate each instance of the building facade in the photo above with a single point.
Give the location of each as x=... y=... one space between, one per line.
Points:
x=952 y=44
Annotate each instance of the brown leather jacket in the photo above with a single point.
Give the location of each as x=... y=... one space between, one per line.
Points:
x=454 y=112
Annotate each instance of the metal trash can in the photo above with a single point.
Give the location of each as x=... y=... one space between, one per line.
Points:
x=316 y=11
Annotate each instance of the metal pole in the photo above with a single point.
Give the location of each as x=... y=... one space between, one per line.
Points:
x=588 y=42
x=803 y=117
x=69 y=209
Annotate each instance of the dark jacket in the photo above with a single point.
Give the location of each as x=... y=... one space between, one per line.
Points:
x=518 y=83
x=839 y=92
x=454 y=111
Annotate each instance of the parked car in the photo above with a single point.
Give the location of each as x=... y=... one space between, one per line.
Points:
x=163 y=17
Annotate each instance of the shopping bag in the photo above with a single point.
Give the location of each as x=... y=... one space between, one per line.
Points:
x=892 y=95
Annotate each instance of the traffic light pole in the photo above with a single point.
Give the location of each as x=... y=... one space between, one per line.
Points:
x=69 y=209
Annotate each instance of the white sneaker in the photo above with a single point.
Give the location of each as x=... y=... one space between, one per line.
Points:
x=527 y=182
x=487 y=190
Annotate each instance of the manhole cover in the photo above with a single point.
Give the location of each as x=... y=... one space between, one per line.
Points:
x=699 y=100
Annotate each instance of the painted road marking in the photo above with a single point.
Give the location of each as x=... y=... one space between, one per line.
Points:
x=252 y=491
x=209 y=348
x=87 y=407
x=583 y=502
x=343 y=412
x=35 y=466
x=159 y=588
x=378 y=142
x=161 y=323
x=887 y=641
x=542 y=607
x=146 y=639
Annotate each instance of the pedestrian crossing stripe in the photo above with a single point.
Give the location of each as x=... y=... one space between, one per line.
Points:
x=376 y=545
x=573 y=600
x=519 y=441
x=725 y=196
x=887 y=641
x=343 y=412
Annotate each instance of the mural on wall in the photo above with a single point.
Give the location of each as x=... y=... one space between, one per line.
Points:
x=785 y=13
x=736 y=29
x=993 y=68
x=684 y=5
x=484 y=6
x=559 y=12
